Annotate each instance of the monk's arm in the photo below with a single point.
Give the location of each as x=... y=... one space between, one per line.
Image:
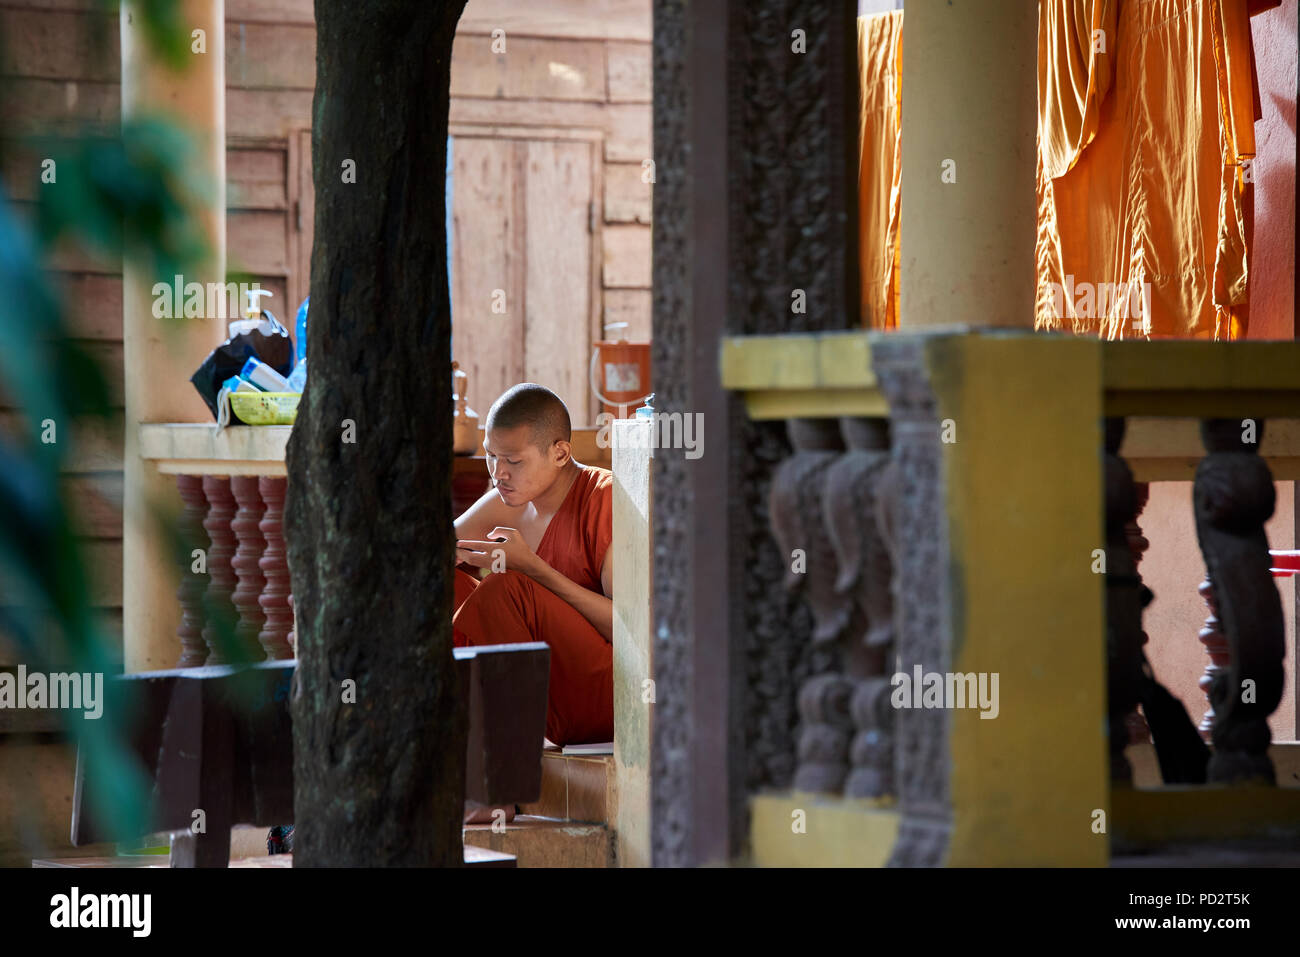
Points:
x=483 y=516
x=595 y=607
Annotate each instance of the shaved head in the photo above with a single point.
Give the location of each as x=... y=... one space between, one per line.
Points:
x=535 y=406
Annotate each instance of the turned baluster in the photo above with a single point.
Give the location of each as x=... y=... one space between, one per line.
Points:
x=194 y=576
x=1138 y=732
x=1233 y=497
x=854 y=500
x=246 y=563
x=1124 y=600
x=1216 y=646
x=219 y=629
x=275 y=570
x=798 y=520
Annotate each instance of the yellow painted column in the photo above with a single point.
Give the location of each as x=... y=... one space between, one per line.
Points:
x=969 y=209
x=1029 y=784
x=160 y=355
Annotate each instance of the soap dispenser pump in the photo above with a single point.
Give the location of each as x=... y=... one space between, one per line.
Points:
x=254 y=313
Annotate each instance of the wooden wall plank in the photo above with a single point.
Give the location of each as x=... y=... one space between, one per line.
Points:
x=20 y=168
x=94 y=304
x=629 y=128
x=267 y=114
x=96 y=502
x=530 y=113
x=256 y=195
x=626 y=125
x=627 y=198
x=622 y=19
x=60 y=45
x=36 y=105
x=102 y=559
x=629 y=72
x=627 y=256
x=47 y=5
x=633 y=307
x=488 y=251
x=256 y=179
x=94 y=447
x=255 y=242
x=530 y=69
x=271 y=11
x=270 y=55
x=557 y=338
x=110 y=624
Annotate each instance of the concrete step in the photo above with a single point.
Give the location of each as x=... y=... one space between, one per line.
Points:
x=546 y=842
x=474 y=857
x=576 y=788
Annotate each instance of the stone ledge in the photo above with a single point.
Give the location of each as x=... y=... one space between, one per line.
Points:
x=545 y=842
x=199 y=449
x=837 y=832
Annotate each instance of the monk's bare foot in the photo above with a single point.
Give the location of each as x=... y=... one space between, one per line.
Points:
x=485 y=814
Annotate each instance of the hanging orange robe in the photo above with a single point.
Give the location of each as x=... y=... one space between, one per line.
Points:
x=1146 y=113
x=880 y=66
x=509 y=607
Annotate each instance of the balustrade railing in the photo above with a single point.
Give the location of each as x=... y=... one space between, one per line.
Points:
x=929 y=530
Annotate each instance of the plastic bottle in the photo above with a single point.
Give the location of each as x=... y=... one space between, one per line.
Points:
x=298 y=377
x=263 y=376
x=300 y=332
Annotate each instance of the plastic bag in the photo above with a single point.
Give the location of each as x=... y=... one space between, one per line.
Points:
x=269 y=343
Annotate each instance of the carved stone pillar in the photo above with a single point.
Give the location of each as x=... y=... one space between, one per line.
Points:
x=219 y=626
x=1125 y=600
x=194 y=651
x=852 y=502
x=755 y=150
x=1234 y=497
x=798 y=511
x=275 y=569
x=246 y=562
x=921 y=598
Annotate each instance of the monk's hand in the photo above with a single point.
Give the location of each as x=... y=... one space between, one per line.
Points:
x=505 y=550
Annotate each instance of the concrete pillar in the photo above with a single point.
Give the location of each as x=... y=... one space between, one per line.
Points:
x=633 y=548
x=969 y=206
x=160 y=355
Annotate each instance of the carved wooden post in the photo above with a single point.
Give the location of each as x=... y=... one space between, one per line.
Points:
x=798 y=512
x=194 y=651
x=1124 y=601
x=221 y=574
x=1234 y=497
x=275 y=568
x=246 y=561
x=852 y=502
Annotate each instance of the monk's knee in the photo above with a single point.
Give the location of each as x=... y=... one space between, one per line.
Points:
x=497 y=583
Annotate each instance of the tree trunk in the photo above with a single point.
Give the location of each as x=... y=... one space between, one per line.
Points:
x=379 y=727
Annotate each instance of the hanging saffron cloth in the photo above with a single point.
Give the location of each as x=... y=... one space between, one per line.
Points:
x=880 y=65
x=1146 y=132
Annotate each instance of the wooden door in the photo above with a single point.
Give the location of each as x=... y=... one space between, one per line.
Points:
x=523 y=277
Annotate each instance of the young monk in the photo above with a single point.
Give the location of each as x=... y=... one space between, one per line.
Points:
x=549 y=519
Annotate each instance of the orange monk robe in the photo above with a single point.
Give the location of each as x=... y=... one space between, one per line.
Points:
x=509 y=607
x=1142 y=159
x=880 y=65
